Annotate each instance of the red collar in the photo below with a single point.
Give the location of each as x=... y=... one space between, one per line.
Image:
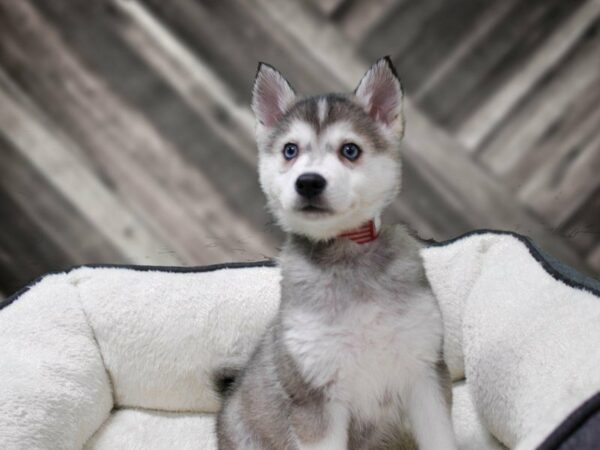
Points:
x=363 y=234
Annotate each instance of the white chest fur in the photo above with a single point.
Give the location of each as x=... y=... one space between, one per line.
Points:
x=369 y=353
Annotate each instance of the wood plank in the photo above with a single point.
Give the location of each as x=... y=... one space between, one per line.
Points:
x=172 y=197
x=328 y=7
x=555 y=189
x=399 y=29
x=54 y=218
x=22 y=260
x=443 y=219
x=462 y=182
x=214 y=103
x=208 y=28
x=438 y=36
x=358 y=17
x=187 y=104
x=485 y=118
x=495 y=60
x=506 y=150
x=583 y=228
x=192 y=78
x=450 y=53
x=594 y=259
x=567 y=181
x=54 y=157
x=572 y=126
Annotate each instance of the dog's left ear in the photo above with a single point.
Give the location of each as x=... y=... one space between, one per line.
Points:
x=380 y=93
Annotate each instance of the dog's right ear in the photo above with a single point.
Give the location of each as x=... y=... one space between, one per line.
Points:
x=272 y=95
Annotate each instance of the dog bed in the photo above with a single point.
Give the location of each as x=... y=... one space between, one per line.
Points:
x=114 y=357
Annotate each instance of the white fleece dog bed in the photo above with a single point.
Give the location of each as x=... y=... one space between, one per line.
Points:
x=133 y=357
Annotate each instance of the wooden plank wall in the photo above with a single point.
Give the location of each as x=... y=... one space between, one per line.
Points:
x=126 y=137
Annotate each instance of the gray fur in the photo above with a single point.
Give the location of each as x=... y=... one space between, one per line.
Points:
x=340 y=107
x=271 y=398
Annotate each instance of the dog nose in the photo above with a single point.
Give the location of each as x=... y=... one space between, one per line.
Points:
x=310 y=184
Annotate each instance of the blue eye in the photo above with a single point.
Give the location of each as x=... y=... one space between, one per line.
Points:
x=350 y=151
x=290 y=151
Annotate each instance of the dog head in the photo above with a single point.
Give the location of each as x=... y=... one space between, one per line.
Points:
x=328 y=163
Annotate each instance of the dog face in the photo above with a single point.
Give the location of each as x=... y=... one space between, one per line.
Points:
x=328 y=163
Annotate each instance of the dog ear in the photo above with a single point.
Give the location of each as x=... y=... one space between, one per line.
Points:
x=272 y=95
x=380 y=93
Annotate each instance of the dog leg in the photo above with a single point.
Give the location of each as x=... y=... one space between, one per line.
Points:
x=336 y=434
x=429 y=415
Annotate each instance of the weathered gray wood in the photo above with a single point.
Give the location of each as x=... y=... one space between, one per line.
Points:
x=55 y=158
x=464 y=38
x=328 y=7
x=174 y=198
x=55 y=218
x=583 y=228
x=495 y=60
x=438 y=36
x=594 y=259
x=358 y=17
x=210 y=28
x=441 y=219
x=556 y=188
x=525 y=128
x=149 y=99
x=572 y=126
x=485 y=118
x=40 y=231
x=567 y=180
x=192 y=78
x=22 y=260
x=399 y=29
x=207 y=135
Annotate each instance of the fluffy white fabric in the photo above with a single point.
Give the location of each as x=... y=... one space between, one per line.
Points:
x=54 y=391
x=78 y=344
x=452 y=271
x=131 y=429
x=471 y=434
x=530 y=342
x=163 y=334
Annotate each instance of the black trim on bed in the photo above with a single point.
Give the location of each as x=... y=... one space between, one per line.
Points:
x=142 y=268
x=548 y=263
x=576 y=424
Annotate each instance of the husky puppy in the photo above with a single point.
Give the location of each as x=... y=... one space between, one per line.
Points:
x=353 y=359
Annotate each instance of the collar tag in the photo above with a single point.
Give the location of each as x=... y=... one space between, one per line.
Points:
x=365 y=233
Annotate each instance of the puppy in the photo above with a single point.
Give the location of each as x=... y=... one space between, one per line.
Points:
x=353 y=359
